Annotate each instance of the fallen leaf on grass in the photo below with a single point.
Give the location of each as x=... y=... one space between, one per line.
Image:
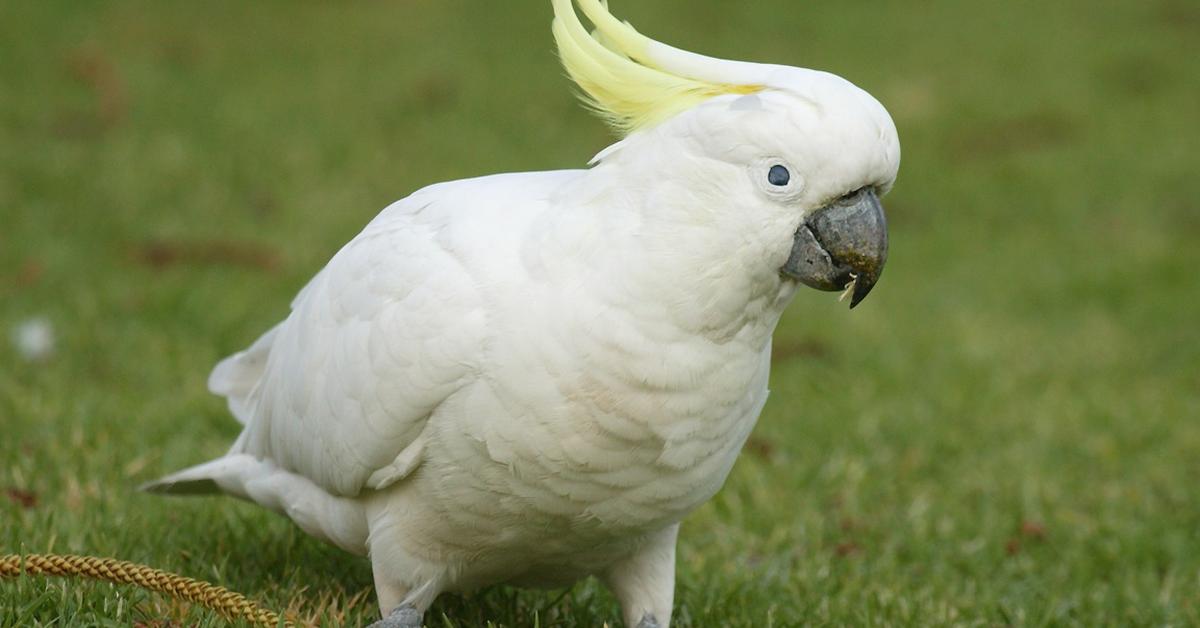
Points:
x=22 y=498
x=847 y=548
x=1033 y=530
x=434 y=92
x=164 y=253
x=30 y=273
x=759 y=448
x=92 y=67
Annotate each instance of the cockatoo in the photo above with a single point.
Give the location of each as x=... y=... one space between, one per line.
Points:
x=532 y=378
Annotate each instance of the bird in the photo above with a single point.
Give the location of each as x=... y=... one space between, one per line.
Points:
x=530 y=379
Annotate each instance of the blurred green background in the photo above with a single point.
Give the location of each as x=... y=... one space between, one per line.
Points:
x=1005 y=433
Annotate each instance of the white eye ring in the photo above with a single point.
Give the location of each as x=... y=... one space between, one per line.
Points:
x=776 y=177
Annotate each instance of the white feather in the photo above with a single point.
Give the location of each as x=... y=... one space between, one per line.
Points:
x=532 y=378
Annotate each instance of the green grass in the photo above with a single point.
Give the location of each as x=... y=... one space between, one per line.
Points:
x=1006 y=432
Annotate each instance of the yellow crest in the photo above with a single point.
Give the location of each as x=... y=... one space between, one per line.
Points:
x=620 y=80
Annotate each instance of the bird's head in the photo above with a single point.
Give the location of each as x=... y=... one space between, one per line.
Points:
x=789 y=161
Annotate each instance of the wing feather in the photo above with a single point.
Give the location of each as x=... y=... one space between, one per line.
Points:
x=341 y=390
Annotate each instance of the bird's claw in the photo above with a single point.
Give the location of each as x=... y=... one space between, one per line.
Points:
x=405 y=616
x=648 y=621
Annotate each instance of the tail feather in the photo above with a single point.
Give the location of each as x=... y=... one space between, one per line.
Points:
x=341 y=521
x=237 y=376
x=223 y=475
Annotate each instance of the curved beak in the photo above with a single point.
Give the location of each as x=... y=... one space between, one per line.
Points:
x=841 y=244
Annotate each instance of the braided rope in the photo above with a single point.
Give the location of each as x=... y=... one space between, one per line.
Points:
x=228 y=603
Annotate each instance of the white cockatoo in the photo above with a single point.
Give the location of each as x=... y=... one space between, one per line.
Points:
x=532 y=378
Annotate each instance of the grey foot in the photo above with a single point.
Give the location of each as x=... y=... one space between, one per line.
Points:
x=648 y=621
x=406 y=616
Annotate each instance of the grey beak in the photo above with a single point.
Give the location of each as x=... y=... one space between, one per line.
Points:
x=841 y=243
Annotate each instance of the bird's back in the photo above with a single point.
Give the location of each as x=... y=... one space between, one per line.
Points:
x=392 y=325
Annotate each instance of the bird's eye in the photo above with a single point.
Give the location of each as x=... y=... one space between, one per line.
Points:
x=778 y=175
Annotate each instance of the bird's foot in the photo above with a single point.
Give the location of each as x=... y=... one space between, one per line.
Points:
x=648 y=621
x=405 y=616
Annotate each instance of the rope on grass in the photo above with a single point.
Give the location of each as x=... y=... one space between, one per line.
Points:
x=228 y=603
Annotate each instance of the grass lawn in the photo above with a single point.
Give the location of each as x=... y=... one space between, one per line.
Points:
x=1006 y=432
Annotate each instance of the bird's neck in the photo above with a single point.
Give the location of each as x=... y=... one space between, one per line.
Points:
x=707 y=290
x=647 y=256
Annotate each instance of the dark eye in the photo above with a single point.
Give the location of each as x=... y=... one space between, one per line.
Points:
x=779 y=175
